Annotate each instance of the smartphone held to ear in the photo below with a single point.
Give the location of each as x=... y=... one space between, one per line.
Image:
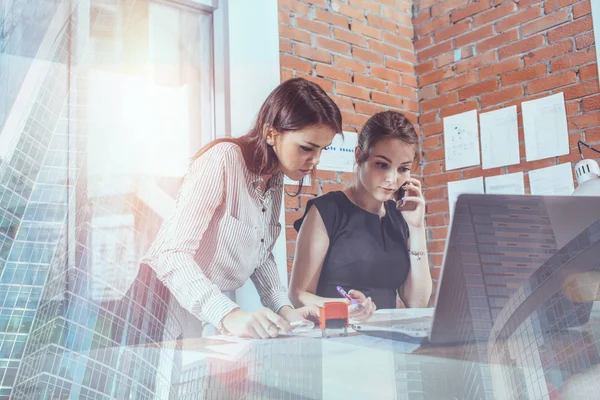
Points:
x=400 y=193
x=402 y=204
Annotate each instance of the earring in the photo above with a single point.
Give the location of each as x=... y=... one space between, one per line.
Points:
x=270 y=142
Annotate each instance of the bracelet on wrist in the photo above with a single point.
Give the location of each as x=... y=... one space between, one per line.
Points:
x=417 y=253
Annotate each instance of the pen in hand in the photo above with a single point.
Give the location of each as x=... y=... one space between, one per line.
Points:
x=343 y=293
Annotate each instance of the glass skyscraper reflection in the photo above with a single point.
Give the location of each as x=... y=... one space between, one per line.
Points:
x=498 y=244
x=270 y=369
x=532 y=331
x=79 y=205
x=32 y=209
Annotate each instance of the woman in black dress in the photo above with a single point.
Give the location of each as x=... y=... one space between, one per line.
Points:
x=370 y=237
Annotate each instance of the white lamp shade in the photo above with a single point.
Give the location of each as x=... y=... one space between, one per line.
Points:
x=588 y=188
x=588 y=178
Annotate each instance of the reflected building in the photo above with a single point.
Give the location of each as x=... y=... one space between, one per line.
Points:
x=72 y=322
x=498 y=242
x=32 y=208
x=540 y=330
x=506 y=252
x=95 y=335
x=190 y=381
x=286 y=368
x=425 y=377
x=215 y=378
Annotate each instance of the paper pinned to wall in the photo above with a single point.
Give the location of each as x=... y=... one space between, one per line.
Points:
x=554 y=180
x=499 y=138
x=461 y=140
x=339 y=156
x=505 y=184
x=472 y=186
x=545 y=127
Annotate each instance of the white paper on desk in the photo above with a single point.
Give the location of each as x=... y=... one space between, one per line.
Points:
x=189 y=357
x=313 y=333
x=400 y=313
x=229 y=338
x=230 y=350
x=499 y=138
x=373 y=378
x=554 y=180
x=339 y=156
x=461 y=140
x=505 y=184
x=545 y=127
x=474 y=185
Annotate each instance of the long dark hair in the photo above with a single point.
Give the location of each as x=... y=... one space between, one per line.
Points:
x=294 y=104
x=386 y=124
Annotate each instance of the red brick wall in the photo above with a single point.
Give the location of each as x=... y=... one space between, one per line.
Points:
x=510 y=51
x=364 y=54
x=361 y=52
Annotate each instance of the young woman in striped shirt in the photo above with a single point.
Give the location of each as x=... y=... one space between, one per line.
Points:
x=370 y=237
x=226 y=220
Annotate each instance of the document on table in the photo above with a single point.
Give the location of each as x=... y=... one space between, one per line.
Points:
x=461 y=140
x=545 y=127
x=229 y=338
x=401 y=313
x=232 y=347
x=499 y=138
x=554 y=180
x=474 y=185
x=230 y=350
x=505 y=184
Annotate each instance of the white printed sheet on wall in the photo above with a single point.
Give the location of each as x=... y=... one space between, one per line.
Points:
x=545 y=127
x=455 y=189
x=461 y=140
x=339 y=156
x=505 y=184
x=499 y=138
x=554 y=180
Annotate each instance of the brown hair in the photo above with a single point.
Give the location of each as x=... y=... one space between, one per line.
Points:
x=386 y=124
x=293 y=105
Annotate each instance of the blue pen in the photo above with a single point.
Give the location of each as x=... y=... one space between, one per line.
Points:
x=343 y=293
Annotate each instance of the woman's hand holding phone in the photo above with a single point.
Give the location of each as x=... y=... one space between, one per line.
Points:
x=409 y=200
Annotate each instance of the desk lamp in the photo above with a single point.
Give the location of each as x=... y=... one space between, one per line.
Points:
x=587 y=172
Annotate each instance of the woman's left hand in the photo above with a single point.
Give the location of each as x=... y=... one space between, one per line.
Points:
x=363 y=312
x=413 y=205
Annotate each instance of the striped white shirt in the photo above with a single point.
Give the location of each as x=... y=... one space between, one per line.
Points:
x=221 y=233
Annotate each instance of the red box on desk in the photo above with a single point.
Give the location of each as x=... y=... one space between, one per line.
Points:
x=333 y=315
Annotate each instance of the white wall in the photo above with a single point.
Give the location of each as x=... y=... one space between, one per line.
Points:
x=596 y=20
x=251 y=73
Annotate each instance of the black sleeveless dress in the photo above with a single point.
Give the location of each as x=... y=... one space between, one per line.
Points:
x=366 y=252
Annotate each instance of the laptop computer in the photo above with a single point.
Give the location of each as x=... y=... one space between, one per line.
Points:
x=496 y=245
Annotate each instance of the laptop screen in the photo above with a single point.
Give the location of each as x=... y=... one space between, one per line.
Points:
x=496 y=244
